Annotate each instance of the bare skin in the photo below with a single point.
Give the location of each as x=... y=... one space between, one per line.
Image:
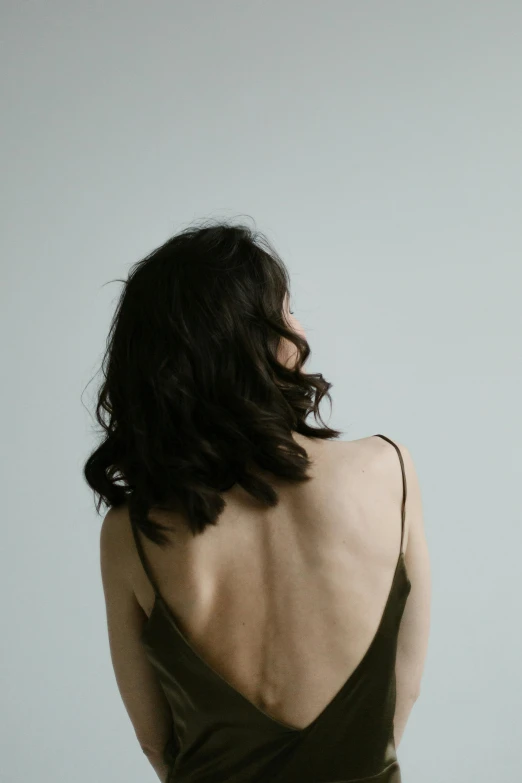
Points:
x=284 y=602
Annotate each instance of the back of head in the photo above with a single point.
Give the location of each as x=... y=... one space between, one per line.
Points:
x=195 y=394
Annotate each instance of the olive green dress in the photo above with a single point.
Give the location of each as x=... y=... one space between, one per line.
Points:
x=219 y=736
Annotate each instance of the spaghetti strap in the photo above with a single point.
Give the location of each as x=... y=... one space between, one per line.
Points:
x=143 y=557
x=403 y=509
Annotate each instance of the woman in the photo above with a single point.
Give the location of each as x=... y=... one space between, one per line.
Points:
x=255 y=569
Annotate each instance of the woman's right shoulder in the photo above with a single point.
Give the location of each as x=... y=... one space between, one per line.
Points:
x=379 y=458
x=372 y=448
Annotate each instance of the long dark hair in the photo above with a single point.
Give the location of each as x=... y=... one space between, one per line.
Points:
x=194 y=396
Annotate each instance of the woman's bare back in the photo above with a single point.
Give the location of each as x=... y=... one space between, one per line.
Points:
x=284 y=602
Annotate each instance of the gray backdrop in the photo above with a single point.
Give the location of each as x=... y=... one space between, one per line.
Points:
x=377 y=144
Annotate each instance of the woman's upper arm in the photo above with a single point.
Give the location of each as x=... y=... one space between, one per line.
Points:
x=415 y=624
x=139 y=688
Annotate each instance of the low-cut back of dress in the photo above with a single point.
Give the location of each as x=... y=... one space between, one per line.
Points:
x=219 y=736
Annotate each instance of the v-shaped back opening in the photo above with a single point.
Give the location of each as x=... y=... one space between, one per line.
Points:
x=171 y=617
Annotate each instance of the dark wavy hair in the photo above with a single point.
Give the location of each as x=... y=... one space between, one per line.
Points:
x=194 y=397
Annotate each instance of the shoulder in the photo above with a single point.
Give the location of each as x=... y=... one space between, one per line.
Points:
x=394 y=470
x=115 y=526
x=116 y=541
x=378 y=457
x=373 y=449
x=397 y=469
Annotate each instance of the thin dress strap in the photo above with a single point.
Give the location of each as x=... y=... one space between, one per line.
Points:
x=403 y=510
x=143 y=557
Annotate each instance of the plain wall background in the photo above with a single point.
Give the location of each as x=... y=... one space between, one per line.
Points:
x=377 y=145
